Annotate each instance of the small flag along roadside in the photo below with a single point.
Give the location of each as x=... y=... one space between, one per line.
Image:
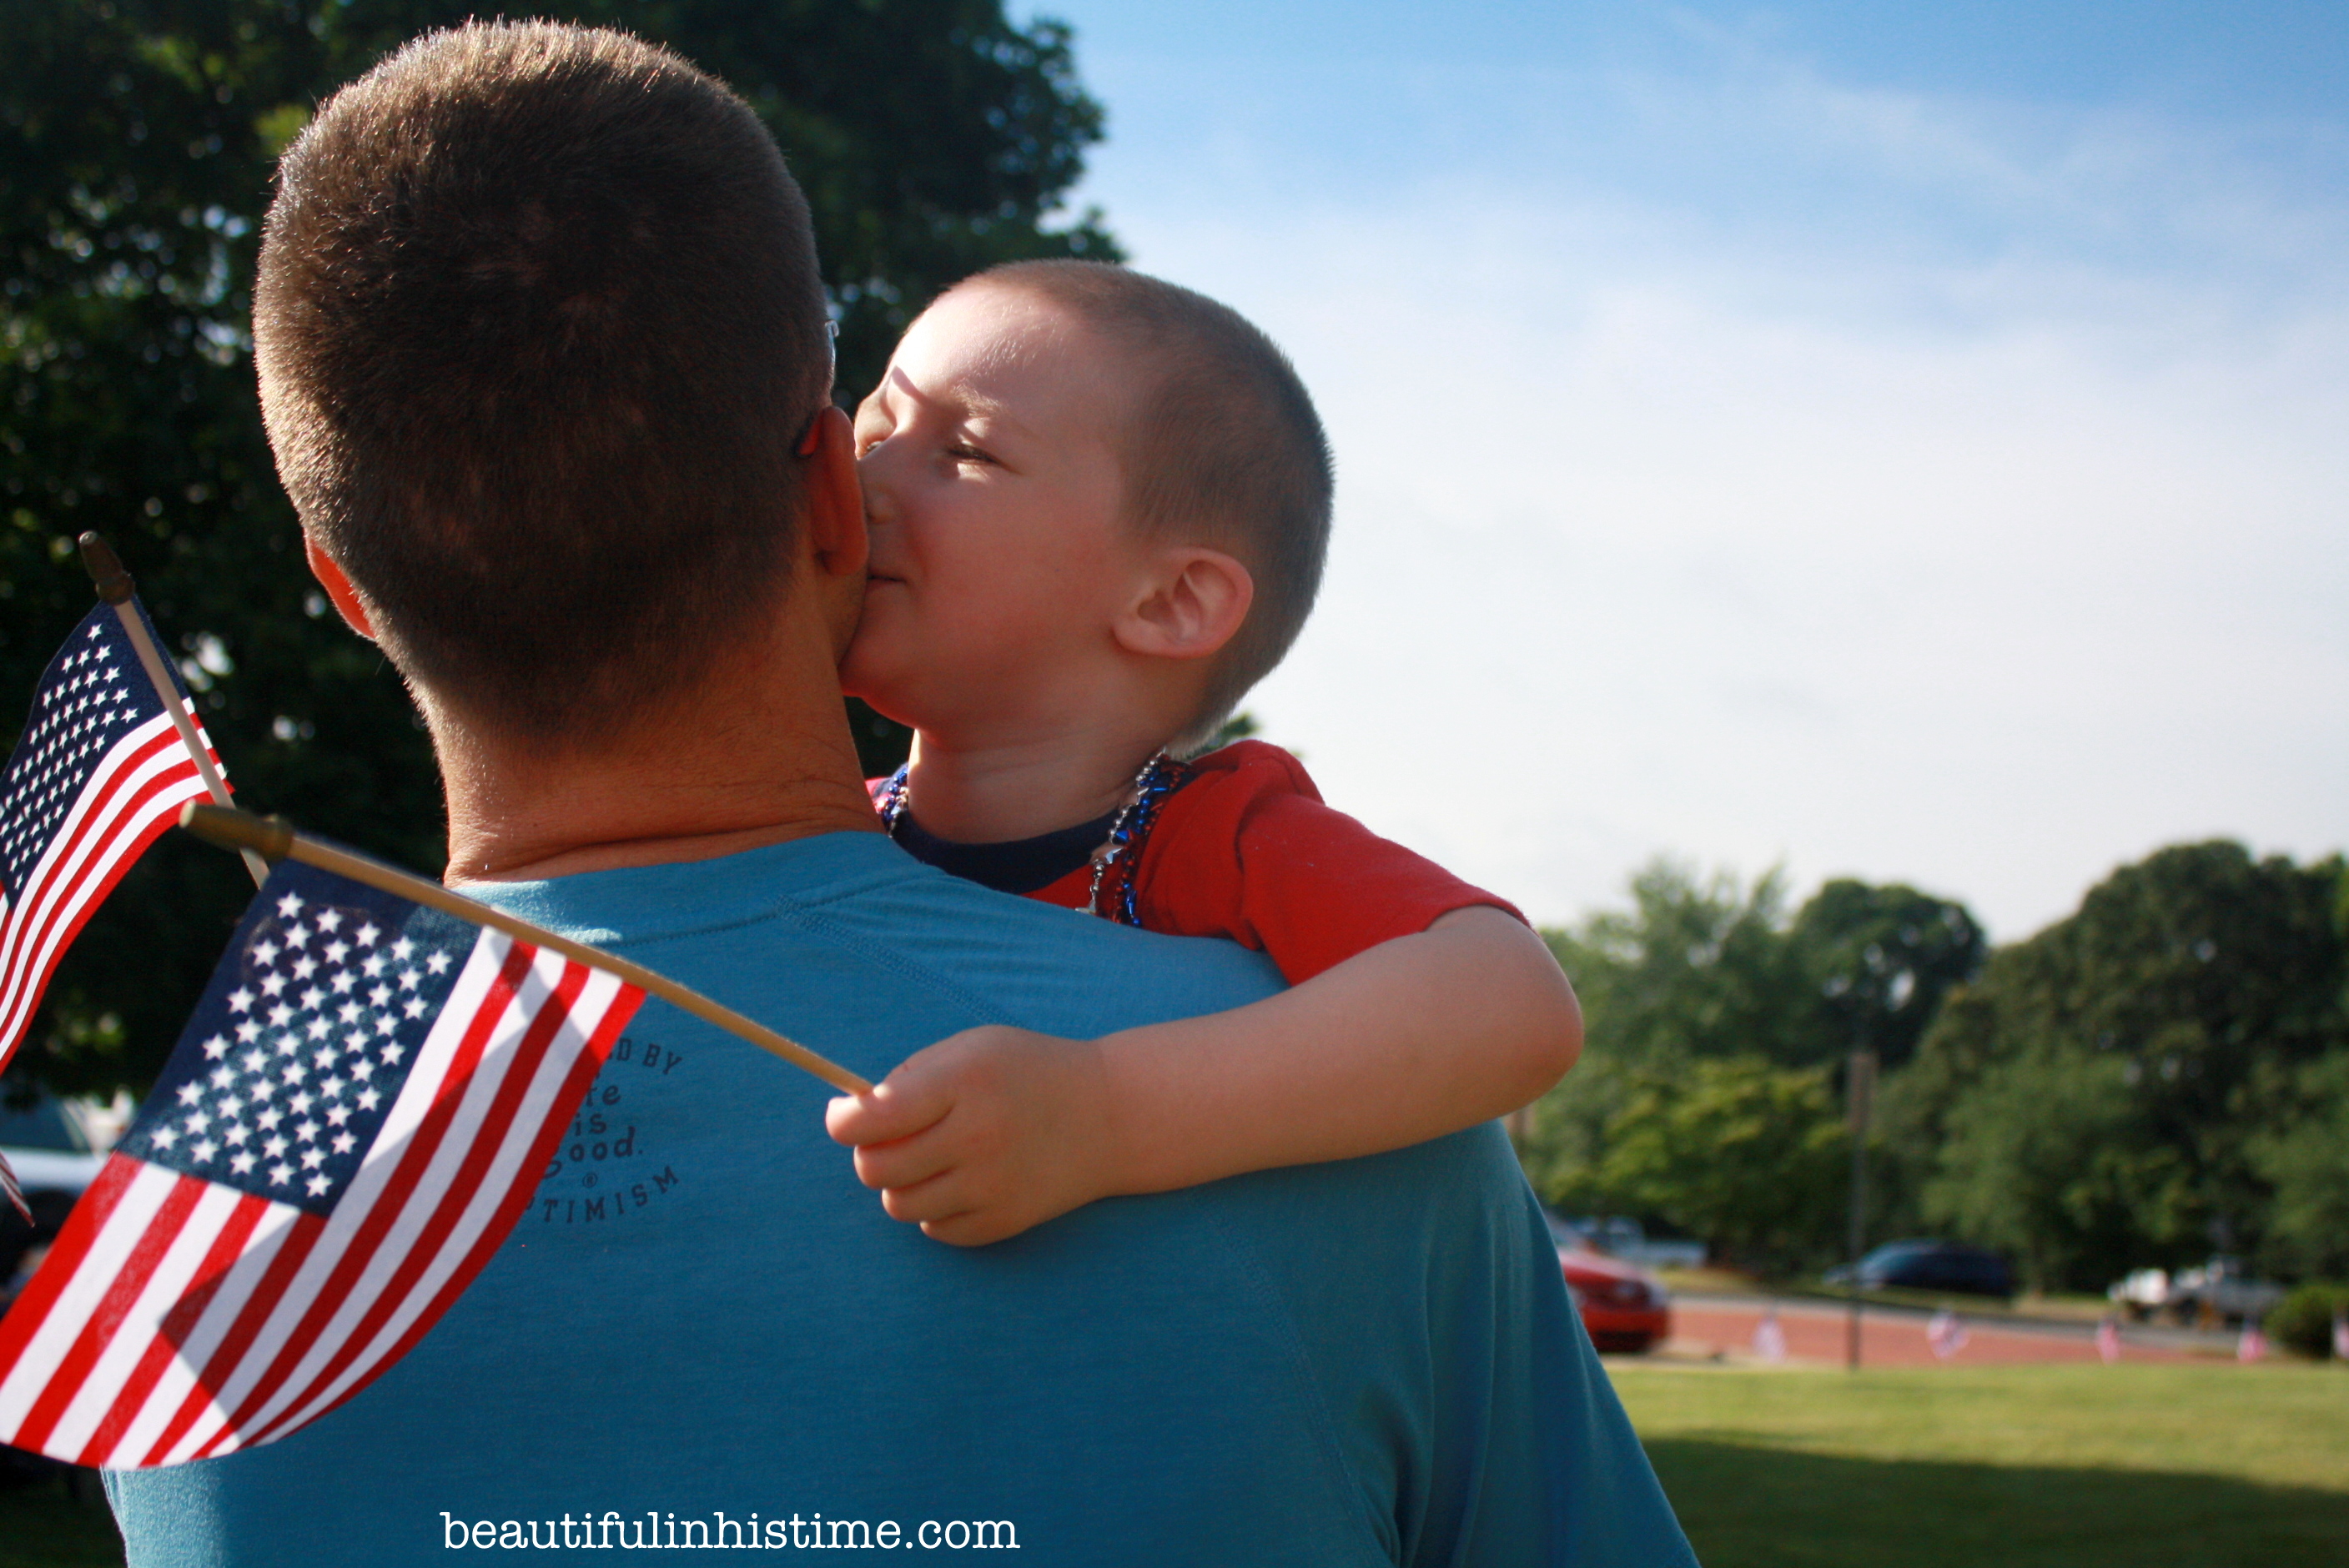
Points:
x=347 y=1128
x=97 y=774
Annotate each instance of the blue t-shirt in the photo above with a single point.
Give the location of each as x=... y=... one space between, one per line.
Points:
x=705 y=1329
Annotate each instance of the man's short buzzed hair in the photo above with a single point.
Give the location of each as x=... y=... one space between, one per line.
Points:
x=539 y=324
x=1222 y=448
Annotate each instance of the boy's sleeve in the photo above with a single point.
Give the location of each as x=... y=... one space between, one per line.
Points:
x=1249 y=850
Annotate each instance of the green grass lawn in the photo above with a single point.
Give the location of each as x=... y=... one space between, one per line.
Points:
x=2021 y=1467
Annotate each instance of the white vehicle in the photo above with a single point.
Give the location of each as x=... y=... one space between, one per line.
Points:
x=48 y=1145
x=2218 y=1292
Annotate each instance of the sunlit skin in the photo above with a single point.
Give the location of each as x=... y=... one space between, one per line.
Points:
x=1042 y=649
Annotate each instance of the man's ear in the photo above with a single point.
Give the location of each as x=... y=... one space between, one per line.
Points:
x=345 y=597
x=834 y=545
x=1190 y=606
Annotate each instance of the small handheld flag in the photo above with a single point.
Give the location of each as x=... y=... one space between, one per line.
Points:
x=349 y=1126
x=106 y=758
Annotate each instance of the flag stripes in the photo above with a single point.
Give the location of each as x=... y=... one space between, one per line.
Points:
x=134 y=795
x=180 y=1317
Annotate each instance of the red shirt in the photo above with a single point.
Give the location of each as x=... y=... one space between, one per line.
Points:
x=1247 y=850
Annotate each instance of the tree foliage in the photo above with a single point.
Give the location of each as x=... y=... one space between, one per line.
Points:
x=137 y=138
x=1710 y=1093
x=2140 y=1082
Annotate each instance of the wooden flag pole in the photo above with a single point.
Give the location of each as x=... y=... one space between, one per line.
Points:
x=273 y=839
x=114 y=587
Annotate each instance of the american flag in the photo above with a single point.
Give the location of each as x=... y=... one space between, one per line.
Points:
x=1946 y=1334
x=348 y=1128
x=97 y=774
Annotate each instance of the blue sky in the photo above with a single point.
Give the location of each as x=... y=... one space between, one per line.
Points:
x=1903 y=442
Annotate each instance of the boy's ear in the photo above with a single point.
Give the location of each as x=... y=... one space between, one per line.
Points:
x=1190 y=606
x=344 y=598
x=833 y=519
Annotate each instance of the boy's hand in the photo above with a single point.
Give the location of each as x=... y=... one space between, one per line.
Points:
x=984 y=1134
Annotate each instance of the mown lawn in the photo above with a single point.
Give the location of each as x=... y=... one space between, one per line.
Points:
x=2021 y=1467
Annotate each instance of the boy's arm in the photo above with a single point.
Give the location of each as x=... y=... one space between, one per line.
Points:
x=996 y=1129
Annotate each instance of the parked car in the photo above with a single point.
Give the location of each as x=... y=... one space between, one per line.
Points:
x=47 y=1146
x=2220 y=1292
x=1619 y=1236
x=1622 y=1306
x=1919 y=1264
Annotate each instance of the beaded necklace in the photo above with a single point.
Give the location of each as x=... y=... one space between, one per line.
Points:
x=1113 y=863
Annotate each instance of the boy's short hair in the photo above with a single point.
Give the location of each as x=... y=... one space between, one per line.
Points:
x=1222 y=449
x=539 y=324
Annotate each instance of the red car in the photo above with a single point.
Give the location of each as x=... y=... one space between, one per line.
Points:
x=1622 y=1306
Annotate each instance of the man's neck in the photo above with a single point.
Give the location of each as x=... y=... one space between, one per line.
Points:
x=760 y=753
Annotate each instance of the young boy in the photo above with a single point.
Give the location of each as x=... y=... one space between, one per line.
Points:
x=1098 y=507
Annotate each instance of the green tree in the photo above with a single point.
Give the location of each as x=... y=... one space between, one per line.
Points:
x=2155 y=1036
x=1699 y=971
x=1880 y=961
x=933 y=136
x=1746 y=1154
x=2306 y=1159
x=1693 y=968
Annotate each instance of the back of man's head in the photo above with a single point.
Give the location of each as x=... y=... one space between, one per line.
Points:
x=539 y=323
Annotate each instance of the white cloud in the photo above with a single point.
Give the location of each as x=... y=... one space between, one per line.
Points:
x=1984 y=565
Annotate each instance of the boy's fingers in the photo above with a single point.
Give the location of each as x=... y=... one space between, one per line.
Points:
x=941 y=1197
x=892 y=1111
x=906 y=1162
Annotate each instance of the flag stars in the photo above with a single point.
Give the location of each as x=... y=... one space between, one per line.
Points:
x=281 y=1014
x=319 y=1028
x=336 y=952
x=281 y=1173
x=191 y=1092
x=304 y=966
x=291 y=905
x=305 y=1129
x=240 y=1000
x=438 y=963
x=216 y=1047
x=311 y=998
x=255 y=1061
x=265 y=952
x=408 y=979
x=330 y=921
x=367 y=934
x=375 y=964
x=269 y=1119
x=272 y=985
x=242 y=1163
x=403 y=950
x=368 y=1099
x=203 y=1148
x=316 y=1186
x=247 y=1032
x=344 y=1143
x=417 y=1007
x=163 y=1137
x=275 y=1147
x=312 y=1159
x=336 y=1115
